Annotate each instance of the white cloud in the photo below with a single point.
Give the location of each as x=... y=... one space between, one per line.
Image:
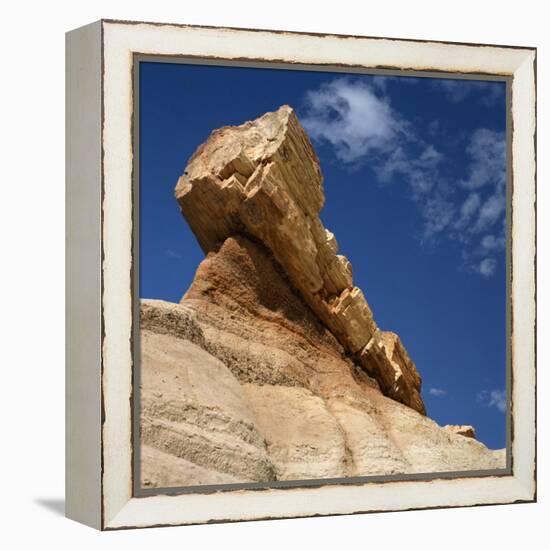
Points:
x=456 y=90
x=353 y=118
x=490 y=242
x=487 y=150
x=487 y=266
x=497 y=398
x=481 y=259
x=490 y=212
x=358 y=120
x=419 y=171
x=493 y=398
x=438 y=213
x=437 y=392
x=483 y=209
x=487 y=181
x=469 y=207
x=487 y=176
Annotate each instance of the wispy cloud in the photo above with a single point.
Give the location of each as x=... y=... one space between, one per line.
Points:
x=437 y=392
x=457 y=91
x=353 y=118
x=486 y=267
x=420 y=171
x=483 y=216
x=493 y=398
x=358 y=120
x=487 y=150
x=172 y=254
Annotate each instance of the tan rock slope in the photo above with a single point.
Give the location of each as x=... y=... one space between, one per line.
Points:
x=272 y=367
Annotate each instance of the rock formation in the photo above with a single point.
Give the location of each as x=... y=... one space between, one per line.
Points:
x=272 y=367
x=263 y=179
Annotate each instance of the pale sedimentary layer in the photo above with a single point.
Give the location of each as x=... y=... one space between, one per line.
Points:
x=195 y=410
x=241 y=382
x=262 y=179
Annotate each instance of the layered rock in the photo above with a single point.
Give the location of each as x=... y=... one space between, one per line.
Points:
x=241 y=382
x=262 y=179
x=386 y=359
x=193 y=409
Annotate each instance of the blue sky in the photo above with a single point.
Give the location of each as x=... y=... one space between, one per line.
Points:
x=415 y=178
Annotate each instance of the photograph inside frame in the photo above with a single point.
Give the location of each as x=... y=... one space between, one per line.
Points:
x=322 y=275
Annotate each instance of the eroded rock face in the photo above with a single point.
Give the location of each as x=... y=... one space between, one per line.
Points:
x=260 y=327
x=263 y=179
x=193 y=409
x=241 y=382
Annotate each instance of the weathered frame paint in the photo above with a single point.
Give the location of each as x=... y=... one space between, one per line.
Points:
x=119 y=44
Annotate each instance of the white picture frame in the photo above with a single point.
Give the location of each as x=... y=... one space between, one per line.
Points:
x=100 y=286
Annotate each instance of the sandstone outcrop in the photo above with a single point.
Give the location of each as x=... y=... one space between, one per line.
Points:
x=272 y=366
x=241 y=382
x=196 y=411
x=263 y=179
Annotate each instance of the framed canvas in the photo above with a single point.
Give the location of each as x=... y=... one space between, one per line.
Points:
x=300 y=274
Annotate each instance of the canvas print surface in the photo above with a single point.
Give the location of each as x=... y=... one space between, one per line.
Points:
x=322 y=275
